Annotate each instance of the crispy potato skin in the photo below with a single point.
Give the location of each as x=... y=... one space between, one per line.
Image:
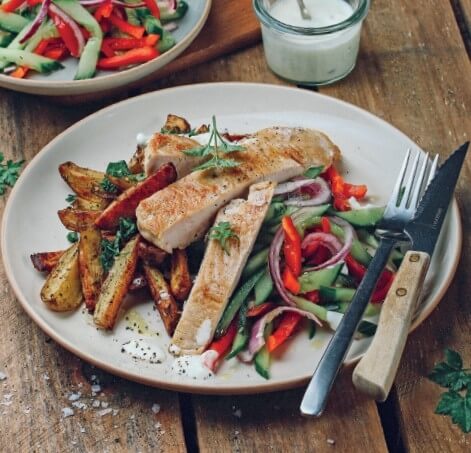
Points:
x=91 y=271
x=180 y=280
x=84 y=182
x=45 y=261
x=125 y=205
x=122 y=183
x=163 y=299
x=62 y=290
x=150 y=253
x=116 y=285
x=136 y=163
x=86 y=205
x=78 y=220
x=176 y=125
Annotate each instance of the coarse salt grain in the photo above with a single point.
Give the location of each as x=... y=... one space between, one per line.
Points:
x=67 y=412
x=96 y=403
x=96 y=388
x=104 y=404
x=238 y=413
x=75 y=396
x=156 y=408
x=331 y=441
x=104 y=412
x=3 y=376
x=79 y=405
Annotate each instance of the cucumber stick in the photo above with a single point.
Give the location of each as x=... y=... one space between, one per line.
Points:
x=166 y=41
x=31 y=60
x=256 y=262
x=5 y=38
x=362 y=217
x=243 y=333
x=12 y=22
x=88 y=59
x=263 y=288
x=311 y=281
x=180 y=11
x=262 y=358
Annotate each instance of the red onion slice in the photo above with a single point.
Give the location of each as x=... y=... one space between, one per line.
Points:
x=291 y=186
x=322 y=194
x=257 y=337
x=37 y=21
x=332 y=243
x=72 y=24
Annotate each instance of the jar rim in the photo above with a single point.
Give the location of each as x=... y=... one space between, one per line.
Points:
x=267 y=19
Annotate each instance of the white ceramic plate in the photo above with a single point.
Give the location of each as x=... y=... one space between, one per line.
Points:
x=62 y=83
x=372 y=150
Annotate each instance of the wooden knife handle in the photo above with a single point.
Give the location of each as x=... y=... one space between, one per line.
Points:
x=375 y=372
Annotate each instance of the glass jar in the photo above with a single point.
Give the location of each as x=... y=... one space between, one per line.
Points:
x=311 y=54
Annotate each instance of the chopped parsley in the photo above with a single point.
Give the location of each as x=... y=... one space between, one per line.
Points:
x=71 y=198
x=223 y=232
x=108 y=186
x=110 y=249
x=118 y=169
x=9 y=173
x=456 y=402
x=72 y=237
x=313 y=172
x=217 y=148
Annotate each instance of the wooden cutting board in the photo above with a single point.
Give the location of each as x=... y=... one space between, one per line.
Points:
x=231 y=25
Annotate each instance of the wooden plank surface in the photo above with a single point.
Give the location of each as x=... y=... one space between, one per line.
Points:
x=404 y=76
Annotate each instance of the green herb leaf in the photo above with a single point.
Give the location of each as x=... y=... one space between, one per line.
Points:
x=9 y=173
x=137 y=177
x=450 y=373
x=118 y=169
x=109 y=250
x=72 y=237
x=71 y=198
x=313 y=172
x=223 y=232
x=458 y=407
x=217 y=162
x=108 y=186
x=126 y=229
x=199 y=151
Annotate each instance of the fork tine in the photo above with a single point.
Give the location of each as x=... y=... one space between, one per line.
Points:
x=400 y=179
x=410 y=184
x=433 y=170
x=419 y=184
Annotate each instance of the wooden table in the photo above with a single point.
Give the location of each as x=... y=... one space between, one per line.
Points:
x=413 y=71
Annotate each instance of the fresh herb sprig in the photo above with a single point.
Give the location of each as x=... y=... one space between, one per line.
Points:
x=217 y=148
x=110 y=249
x=118 y=169
x=223 y=232
x=72 y=236
x=9 y=173
x=456 y=402
x=71 y=198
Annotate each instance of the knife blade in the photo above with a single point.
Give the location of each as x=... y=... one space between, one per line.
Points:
x=375 y=372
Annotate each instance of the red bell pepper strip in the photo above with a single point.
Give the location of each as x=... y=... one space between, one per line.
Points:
x=103 y=11
x=325 y=224
x=153 y=8
x=284 y=330
x=290 y=281
x=356 y=191
x=67 y=35
x=12 y=5
x=259 y=310
x=134 y=56
x=56 y=53
x=133 y=30
x=221 y=346
x=107 y=50
x=131 y=43
x=313 y=296
x=292 y=246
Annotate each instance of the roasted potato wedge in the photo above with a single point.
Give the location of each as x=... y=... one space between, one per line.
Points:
x=122 y=183
x=180 y=280
x=116 y=285
x=176 y=125
x=78 y=220
x=150 y=253
x=136 y=164
x=46 y=261
x=62 y=290
x=86 y=183
x=91 y=270
x=164 y=301
x=203 y=129
x=86 y=205
x=125 y=205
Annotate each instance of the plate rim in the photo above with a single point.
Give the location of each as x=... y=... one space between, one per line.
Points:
x=97 y=84
x=194 y=388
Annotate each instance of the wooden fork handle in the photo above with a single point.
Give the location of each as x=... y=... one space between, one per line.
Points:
x=375 y=372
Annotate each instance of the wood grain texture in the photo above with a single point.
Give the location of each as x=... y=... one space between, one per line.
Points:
x=272 y=423
x=375 y=372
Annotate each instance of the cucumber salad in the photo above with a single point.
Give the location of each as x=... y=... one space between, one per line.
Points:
x=36 y=35
x=310 y=256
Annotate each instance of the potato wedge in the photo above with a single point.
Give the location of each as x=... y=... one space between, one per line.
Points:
x=150 y=253
x=180 y=280
x=86 y=183
x=163 y=299
x=116 y=285
x=62 y=290
x=136 y=163
x=125 y=205
x=176 y=125
x=46 y=261
x=78 y=220
x=122 y=183
x=91 y=270
x=87 y=205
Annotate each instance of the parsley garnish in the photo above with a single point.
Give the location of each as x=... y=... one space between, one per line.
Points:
x=108 y=186
x=110 y=249
x=222 y=232
x=118 y=169
x=217 y=147
x=72 y=237
x=9 y=173
x=71 y=198
x=457 y=401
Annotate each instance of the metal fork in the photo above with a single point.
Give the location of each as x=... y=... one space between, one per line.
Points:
x=399 y=210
